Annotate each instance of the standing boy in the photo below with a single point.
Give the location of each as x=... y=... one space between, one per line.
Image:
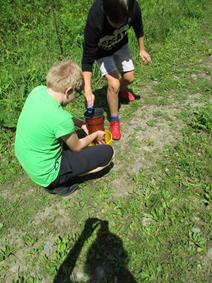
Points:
x=106 y=41
x=44 y=127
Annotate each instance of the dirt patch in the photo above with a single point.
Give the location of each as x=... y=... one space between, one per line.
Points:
x=151 y=129
x=145 y=136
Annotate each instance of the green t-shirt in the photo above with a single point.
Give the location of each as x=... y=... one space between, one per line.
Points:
x=40 y=127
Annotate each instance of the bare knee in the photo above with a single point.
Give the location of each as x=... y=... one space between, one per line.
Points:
x=113 y=86
x=129 y=77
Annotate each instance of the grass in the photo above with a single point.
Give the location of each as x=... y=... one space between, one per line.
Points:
x=160 y=231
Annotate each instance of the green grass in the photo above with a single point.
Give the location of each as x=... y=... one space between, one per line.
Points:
x=160 y=231
x=24 y=65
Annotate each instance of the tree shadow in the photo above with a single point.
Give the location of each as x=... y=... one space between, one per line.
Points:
x=106 y=260
x=101 y=100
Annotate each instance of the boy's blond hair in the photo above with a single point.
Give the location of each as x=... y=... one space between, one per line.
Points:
x=63 y=75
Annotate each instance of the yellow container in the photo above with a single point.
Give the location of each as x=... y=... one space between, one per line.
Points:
x=108 y=138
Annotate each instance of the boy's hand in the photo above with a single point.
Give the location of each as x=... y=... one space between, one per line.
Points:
x=90 y=97
x=100 y=137
x=146 y=58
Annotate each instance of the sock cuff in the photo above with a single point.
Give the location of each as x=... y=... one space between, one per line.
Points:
x=114 y=118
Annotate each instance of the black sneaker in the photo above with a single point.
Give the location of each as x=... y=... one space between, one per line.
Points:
x=64 y=191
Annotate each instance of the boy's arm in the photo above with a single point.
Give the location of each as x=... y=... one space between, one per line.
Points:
x=143 y=53
x=76 y=144
x=90 y=46
x=136 y=18
x=88 y=89
x=89 y=49
x=137 y=24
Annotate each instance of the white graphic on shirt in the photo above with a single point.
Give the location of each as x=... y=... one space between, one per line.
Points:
x=109 y=41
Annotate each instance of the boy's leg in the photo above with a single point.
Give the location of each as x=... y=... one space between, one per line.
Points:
x=127 y=79
x=126 y=68
x=113 y=102
x=98 y=169
x=74 y=164
x=89 y=158
x=112 y=92
x=109 y=70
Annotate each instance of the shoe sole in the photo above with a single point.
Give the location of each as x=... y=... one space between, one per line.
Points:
x=114 y=139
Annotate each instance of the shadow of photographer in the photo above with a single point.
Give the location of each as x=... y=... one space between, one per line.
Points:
x=106 y=260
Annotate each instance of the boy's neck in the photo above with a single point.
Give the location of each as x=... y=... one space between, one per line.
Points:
x=58 y=96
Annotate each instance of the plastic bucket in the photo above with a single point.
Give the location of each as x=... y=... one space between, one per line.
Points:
x=95 y=121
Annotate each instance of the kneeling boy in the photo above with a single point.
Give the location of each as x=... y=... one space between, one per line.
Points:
x=44 y=127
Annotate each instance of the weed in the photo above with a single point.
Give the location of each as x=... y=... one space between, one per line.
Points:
x=61 y=244
x=198 y=241
x=151 y=123
x=202 y=119
x=28 y=240
x=154 y=221
x=5 y=252
x=207 y=194
x=30 y=279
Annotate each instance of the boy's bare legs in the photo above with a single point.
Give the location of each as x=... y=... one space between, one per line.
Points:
x=113 y=81
x=112 y=92
x=115 y=84
x=127 y=79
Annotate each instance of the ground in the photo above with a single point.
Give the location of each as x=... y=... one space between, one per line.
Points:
x=144 y=202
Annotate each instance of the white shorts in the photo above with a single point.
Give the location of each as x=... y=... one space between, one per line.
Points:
x=120 y=61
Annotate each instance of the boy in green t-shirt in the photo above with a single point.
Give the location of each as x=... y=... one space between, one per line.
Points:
x=44 y=127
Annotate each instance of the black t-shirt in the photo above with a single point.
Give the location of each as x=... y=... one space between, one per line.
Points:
x=101 y=39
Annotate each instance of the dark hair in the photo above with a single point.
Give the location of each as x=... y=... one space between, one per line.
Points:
x=118 y=11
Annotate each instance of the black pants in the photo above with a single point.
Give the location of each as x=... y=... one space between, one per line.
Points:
x=74 y=164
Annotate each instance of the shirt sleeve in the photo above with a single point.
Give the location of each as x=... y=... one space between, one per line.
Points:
x=64 y=127
x=92 y=35
x=90 y=47
x=137 y=22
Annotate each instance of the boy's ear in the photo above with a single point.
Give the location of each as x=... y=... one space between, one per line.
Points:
x=69 y=91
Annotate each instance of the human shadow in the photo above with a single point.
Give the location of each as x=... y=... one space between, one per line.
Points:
x=101 y=100
x=106 y=260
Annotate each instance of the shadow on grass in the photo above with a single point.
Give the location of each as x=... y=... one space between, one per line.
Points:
x=106 y=260
x=101 y=100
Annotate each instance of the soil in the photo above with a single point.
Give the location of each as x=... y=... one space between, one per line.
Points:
x=144 y=138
